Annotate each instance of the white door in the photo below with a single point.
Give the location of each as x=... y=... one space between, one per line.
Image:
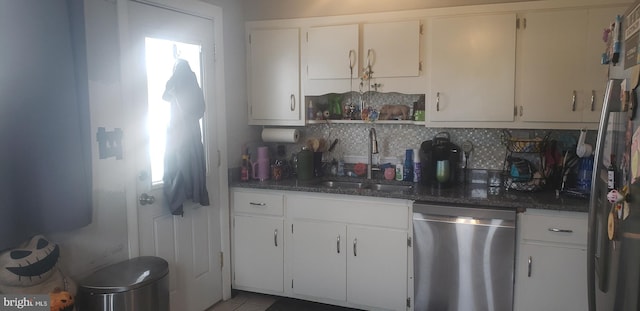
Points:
x=190 y=243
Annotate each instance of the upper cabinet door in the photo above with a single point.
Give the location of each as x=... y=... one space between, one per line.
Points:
x=274 y=77
x=550 y=65
x=332 y=52
x=596 y=74
x=392 y=49
x=471 y=67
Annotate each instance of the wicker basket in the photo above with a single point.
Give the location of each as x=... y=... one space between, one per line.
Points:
x=522 y=145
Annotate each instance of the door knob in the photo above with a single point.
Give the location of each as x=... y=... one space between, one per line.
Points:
x=146 y=199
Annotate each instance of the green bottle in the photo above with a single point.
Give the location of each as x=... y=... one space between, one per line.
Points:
x=305 y=164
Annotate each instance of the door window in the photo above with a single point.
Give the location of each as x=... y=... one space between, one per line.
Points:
x=160 y=56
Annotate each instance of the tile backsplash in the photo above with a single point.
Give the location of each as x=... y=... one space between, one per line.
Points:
x=488 y=152
x=393 y=139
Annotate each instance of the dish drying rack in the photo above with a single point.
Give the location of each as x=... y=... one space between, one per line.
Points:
x=532 y=152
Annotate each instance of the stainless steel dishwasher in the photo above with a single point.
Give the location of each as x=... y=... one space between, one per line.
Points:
x=463 y=258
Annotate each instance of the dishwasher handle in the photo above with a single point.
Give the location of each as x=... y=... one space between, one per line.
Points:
x=464 y=220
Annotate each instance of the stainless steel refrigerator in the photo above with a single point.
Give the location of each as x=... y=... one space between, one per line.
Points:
x=614 y=228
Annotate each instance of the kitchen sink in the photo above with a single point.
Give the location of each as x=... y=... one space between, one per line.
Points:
x=362 y=185
x=343 y=184
x=390 y=188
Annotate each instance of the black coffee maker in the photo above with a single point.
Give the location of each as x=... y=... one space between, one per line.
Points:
x=439 y=160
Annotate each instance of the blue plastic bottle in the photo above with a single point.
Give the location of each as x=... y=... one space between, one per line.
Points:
x=584 y=174
x=408 y=166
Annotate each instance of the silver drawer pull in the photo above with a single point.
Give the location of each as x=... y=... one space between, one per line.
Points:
x=257 y=204
x=560 y=230
x=530 y=262
x=338 y=245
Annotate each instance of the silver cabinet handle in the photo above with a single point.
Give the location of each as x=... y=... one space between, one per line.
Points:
x=258 y=204
x=355 y=247
x=593 y=100
x=438 y=101
x=573 y=99
x=560 y=230
x=352 y=60
x=369 y=56
x=292 y=101
x=521 y=109
x=530 y=262
x=338 y=245
x=275 y=237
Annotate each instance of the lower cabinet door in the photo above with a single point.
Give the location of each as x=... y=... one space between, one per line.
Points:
x=377 y=267
x=319 y=262
x=551 y=278
x=258 y=253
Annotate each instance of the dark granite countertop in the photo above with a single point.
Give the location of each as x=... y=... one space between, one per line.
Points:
x=472 y=194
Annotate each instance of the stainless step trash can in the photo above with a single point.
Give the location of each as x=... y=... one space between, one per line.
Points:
x=140 y=284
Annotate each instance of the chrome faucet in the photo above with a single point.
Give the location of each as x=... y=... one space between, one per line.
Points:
x=373 y=149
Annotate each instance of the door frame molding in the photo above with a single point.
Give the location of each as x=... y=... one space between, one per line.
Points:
x=218 y=120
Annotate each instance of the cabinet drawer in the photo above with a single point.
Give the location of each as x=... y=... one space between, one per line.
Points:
x=555 y=227
x=261 y=203
x=390 y=213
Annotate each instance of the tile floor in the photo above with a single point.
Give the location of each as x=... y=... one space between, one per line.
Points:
x=245 y=301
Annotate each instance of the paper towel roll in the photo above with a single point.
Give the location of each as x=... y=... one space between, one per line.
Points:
x=278 y=135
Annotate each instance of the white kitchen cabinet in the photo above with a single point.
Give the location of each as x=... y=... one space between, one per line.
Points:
x=383 y=251
x=471 y=67
x=357 y=264
x=595 y=73
x=273 y=65
x=350 y=251
x=332 y=52
x=319 y=263
x=337 y=55
x=258 y=243
x=258 y=254
x=558 y=64
x=392 y=49
x=551 y=272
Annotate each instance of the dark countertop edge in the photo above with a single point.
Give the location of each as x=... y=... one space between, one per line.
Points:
x=469 y=194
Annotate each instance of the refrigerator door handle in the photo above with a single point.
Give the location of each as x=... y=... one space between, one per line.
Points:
x=610 y=102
